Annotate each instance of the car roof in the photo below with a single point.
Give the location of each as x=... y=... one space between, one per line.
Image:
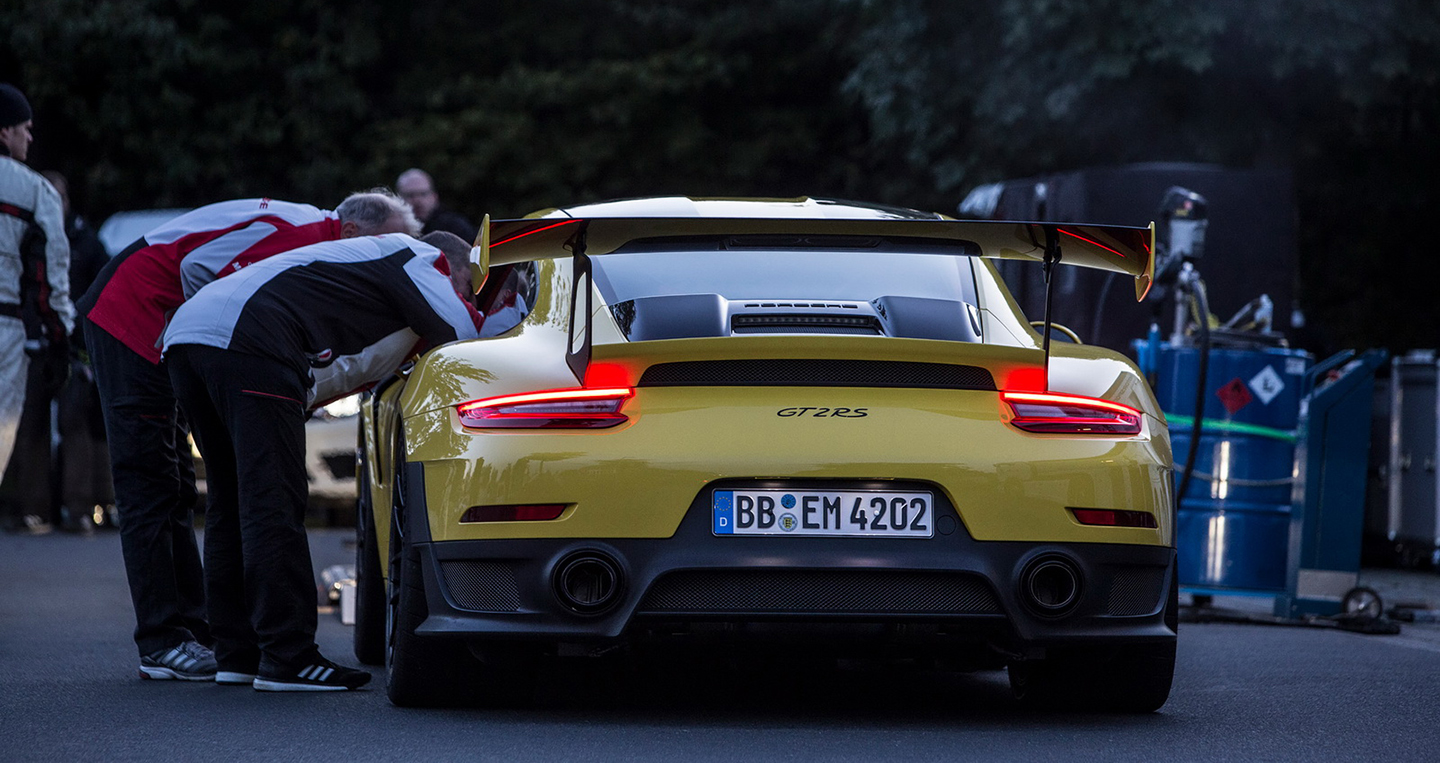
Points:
x=802 y=207
x=123 y=228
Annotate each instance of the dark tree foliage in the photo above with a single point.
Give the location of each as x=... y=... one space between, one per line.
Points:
x=515 y=106
x=512 y=105
x=533 y=104
x=153 y=103
x=1345 y=94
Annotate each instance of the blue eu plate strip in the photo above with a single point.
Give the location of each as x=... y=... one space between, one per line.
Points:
x=724 y=512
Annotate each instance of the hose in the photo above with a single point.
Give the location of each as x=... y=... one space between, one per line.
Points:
x=1202 y=306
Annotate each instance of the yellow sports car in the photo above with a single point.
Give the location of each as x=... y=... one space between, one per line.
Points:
x=743 y=425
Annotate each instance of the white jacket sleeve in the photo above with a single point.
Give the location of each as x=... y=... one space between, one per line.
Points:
x=353 y=373
x=50 y=216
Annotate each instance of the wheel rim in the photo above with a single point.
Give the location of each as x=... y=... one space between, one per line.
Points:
x=392 y=592
x=393 y=581
x=392 y=601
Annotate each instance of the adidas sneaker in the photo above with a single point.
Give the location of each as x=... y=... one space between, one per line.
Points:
x=189 y=661
x=314 y=673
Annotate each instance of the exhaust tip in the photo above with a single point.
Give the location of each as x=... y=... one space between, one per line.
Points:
x=1050 y=585
x=588 y=582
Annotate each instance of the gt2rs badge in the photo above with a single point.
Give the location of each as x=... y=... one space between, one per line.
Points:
x=824 y=413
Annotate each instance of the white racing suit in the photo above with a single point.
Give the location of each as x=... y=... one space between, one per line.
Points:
x=34 y=285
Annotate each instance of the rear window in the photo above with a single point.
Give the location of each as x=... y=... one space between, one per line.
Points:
x=733 y=290
x=785 y=275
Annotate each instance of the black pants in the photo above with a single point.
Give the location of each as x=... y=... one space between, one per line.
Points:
x=84 y=467
x=154 y=479
x=248 y=415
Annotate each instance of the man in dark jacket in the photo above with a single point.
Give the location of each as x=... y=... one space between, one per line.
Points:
x=85 y=498
x=417 y=188
x=240 y=355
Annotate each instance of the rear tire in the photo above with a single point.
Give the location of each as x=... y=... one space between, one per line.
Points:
x=420 y=671
x=1115 y=679
x=369 y=592
x=424 y=671
x=369 y=580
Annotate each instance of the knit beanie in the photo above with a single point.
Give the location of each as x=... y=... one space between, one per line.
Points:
x=14 y=109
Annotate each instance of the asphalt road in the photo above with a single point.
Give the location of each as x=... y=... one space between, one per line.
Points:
x=69 y=691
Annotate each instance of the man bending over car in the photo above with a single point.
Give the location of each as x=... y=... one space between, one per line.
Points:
x=126 y=310
x=241 y=355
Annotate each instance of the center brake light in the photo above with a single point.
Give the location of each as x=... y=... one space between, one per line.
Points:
x=1053 y=413
x=561 y=408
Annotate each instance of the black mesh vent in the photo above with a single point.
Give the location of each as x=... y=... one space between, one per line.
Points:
x=867 y=324
x=1136 y=591
x=816 y=373
x=819 y=592
x=482 y=586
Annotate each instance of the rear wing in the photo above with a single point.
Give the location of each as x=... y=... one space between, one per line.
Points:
x=1116 y=248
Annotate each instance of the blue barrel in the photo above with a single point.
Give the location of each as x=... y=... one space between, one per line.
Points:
x=1233 y=527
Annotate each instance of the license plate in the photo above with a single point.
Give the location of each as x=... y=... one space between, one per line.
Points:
x=864 y=513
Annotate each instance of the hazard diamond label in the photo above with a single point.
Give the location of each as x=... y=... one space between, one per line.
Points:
x=1234 y=395
x=1267 y=384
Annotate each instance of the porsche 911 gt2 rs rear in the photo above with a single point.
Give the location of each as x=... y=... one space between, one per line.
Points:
x=812 y=427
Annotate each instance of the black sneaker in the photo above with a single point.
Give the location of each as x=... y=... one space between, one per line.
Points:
x=312 y=674
x=187 y=662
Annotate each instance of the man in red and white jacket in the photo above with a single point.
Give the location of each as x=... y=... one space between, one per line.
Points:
x=126 y=311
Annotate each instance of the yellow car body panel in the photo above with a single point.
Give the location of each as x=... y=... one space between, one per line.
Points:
x=638 y=480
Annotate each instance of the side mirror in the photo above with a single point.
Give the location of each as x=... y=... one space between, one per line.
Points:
x=480 y=256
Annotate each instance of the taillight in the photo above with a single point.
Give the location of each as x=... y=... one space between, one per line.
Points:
x=564 y=408
x=1052 y=413
x=528 y=512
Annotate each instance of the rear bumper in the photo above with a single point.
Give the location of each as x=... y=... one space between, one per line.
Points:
x=951 y=585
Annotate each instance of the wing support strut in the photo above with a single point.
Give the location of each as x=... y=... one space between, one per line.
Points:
x=1052 y=258
x=577 y=354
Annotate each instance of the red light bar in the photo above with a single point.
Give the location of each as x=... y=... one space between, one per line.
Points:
x=1092 y=241
x=532 y=232
x=529 y=512
x=562 y=408
x=1053 y=413
x=1114 y=518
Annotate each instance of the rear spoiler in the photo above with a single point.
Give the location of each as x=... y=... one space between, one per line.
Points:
x=1116 y=248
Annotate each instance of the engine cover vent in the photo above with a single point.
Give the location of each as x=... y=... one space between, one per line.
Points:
x=759 y=323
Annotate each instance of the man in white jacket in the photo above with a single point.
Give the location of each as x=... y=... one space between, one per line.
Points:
x=35 y=311
x=241 y=356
